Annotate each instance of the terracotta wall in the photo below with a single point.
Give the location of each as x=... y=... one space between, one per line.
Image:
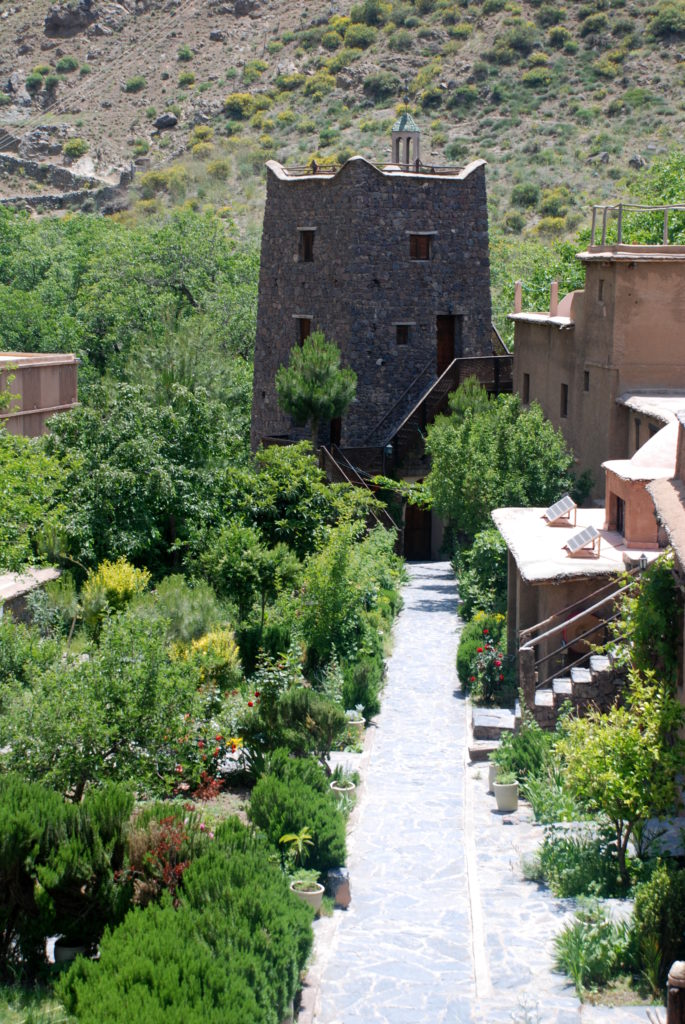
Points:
x=641 y=527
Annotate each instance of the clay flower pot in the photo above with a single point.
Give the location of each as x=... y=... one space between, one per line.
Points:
x=342 y=789
x=493 y=772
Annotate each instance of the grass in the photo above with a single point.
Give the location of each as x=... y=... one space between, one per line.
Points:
x=37 y=1005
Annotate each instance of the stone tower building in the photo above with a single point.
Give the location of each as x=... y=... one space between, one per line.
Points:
x=390 y=262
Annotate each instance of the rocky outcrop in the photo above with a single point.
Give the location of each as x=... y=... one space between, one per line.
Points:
x=46 y=140
x=16 y=87
x=68 y=18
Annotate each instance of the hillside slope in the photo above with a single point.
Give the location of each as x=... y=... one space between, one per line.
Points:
x=560 y=99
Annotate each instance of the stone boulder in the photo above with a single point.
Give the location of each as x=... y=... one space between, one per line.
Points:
x=16 y=86
x=167 y=120
x=69 y=17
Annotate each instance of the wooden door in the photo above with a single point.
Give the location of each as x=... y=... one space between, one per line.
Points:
x=417 y=534
x=445 y=342
x=336 y=430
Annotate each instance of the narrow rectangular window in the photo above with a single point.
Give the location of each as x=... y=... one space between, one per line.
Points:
x=637 y=434
x=586 y=380
x=402 y=334
x=304 y=328
x=306 y=246
x=526 y=389
x=419 y=247
x=600 y=290
x=563 y=411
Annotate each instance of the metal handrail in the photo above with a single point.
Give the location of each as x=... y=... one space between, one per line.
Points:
x=606 y=210
x=404 y=394
x=360 y=476
x=579 y=605
x=423 y=398
x=529 y=644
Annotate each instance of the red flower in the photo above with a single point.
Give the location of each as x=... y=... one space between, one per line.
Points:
x=472 y=679
x=179 y=769
x=250 y=704
x=216 y=752
x=200 y=744
x=218 y=737
x=498 y=663
x=501 y=677
x=479 y=651
x=485 y=632
x=257 y=693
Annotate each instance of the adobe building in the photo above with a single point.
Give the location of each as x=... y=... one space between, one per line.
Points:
x=391 y=262
x=607 y=363
x=43 y=384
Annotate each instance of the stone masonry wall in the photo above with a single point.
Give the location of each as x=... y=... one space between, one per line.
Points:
x=361 y=281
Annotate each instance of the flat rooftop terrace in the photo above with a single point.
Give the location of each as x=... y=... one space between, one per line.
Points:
x=538 y=546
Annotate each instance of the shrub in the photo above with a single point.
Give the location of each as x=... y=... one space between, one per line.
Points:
x=559 y=36
x=141 y=147
x=135 y=84
x=371 y=12
x=658 y=922
x=579 y=863
x=42 y=70
x=525 y=194
x=289 y=803
x=527 y=752
x=75 y=148
x=57 y=865
x=239 y=105
x=493 y=6
x=462 y=97
x=401 y=41
x=232 y=951
x=331 y=41
x=360 y=36
x=538 y=77
x=66 y=64
x=253 y=71
x=472 y=638
x=431 y=97
x=482 y=573
x=668 y=19
x=185 y=53
x=220 y=170
x=362 y=684
x=456 y=149
x=290 y=82
x=555 y=201
x=319 y=85
x=593 y=949
x=202 y=150
x=551 y=226
x=381 y=85
x=548 y=14
x=514 y=222
x=51 y=82
x=34 y=82
x=109 y=589
x=84 y=70
x=594 y=24
x=522 y=37
x=186 y=78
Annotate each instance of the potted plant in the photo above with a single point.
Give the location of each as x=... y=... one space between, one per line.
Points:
x=343 y=785
x=506 y=790
x=306 y=886
x=355 y=720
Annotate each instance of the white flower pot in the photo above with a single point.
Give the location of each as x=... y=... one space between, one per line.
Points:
x=312 y=894
x=506 y=795
x=65 y=954
x=342 y=789
x=493 y=771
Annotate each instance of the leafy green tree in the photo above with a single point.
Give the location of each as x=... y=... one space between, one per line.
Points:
x=625 y=763
x=31 y=485
x=489 y=455
x=313 y=388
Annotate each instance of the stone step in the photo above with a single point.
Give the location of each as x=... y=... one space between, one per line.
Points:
x=490 y=723
x=544 y=698
x=600 y=663
x=563 y=690
x=582 y=681
x=480 y=750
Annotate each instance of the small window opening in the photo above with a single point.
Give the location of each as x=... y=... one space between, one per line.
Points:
x=600 y=290
x=563 y=410
x=653 y=429
x=526 y=389
x=402 y=334
x=419 y=247
x=304 y=329
x=307 y=246
x=586 y=380
x=637 y=433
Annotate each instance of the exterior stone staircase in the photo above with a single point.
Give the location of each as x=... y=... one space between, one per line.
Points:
x=598 y=685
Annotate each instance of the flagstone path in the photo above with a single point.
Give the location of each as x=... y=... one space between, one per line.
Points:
x=441 y=929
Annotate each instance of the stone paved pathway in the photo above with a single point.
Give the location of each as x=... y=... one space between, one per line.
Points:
x=441 y=928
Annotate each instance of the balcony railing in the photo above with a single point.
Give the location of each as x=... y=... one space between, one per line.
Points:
x=602 y=216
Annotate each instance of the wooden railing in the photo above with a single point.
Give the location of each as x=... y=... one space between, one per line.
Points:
x=605 y=213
